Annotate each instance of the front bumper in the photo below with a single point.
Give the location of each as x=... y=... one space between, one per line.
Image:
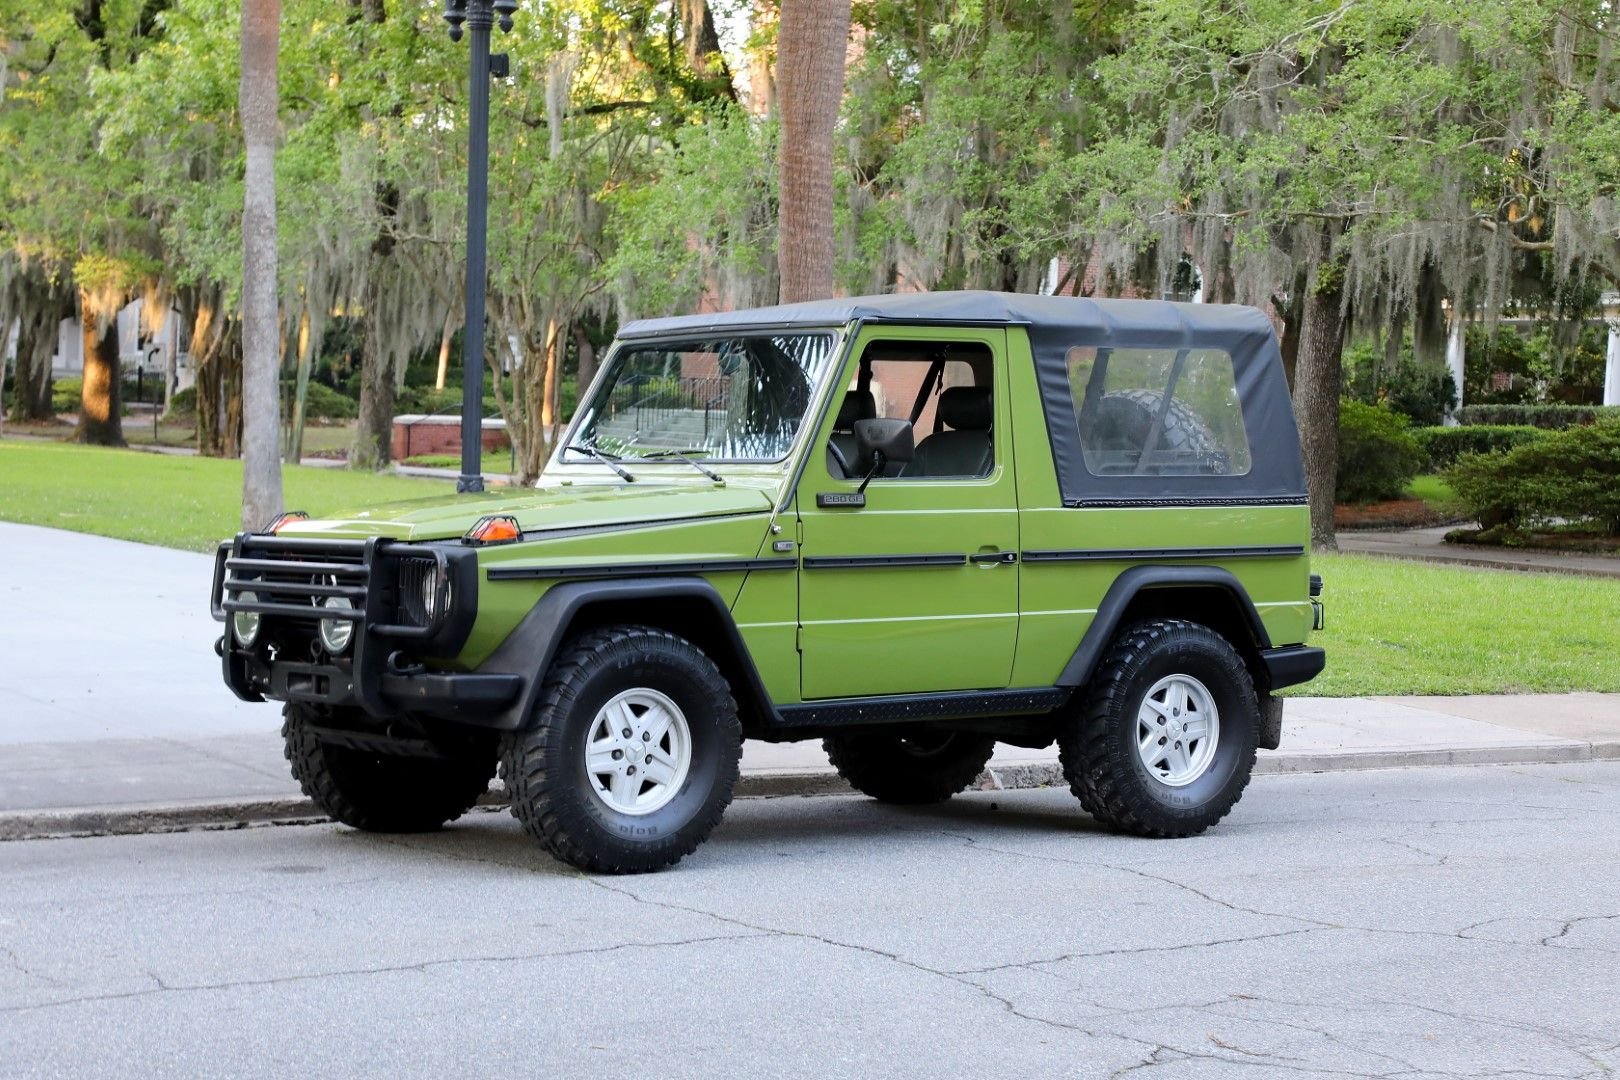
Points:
x=410 y=602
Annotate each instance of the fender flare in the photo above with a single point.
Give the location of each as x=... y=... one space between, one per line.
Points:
x=532 y=646
x=1078 y=671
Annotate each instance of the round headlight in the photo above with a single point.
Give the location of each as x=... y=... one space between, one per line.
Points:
x=336 y=633
x=245 y=624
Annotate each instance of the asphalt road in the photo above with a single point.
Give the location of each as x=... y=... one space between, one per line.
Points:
x=1426 y=923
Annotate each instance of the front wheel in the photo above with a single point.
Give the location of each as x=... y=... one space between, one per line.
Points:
x=632 y=753
x=925 y=767
x=1164 y=739
x=382 y=792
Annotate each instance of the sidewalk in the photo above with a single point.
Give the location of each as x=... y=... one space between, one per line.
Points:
x=1429 y=545
x=113 y=718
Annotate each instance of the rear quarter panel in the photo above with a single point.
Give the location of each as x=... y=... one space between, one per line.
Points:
x=1058 y=600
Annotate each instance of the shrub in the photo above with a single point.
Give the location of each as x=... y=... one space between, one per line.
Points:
x=1569 y=474
x=324 y=403
x=1444 y=445
x=1421 y=391
x=1548 y=417
x=184 y=403
x=66 y=395
x=1378 y=455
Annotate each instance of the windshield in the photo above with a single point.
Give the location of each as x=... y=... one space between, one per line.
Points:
x=725 y=399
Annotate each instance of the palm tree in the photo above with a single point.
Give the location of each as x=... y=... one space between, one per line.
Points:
x=812 y=41
x=261 y=351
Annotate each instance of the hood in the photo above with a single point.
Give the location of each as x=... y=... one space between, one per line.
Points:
x=544 y=509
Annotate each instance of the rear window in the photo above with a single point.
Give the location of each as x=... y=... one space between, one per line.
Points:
x=1158 y=412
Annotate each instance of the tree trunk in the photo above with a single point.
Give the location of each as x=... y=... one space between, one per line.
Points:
x=1316 y=392
x=261 y=338
x=306 y=360
x=812 y=41
x=101 y=401
x=444 y=349
x=373 y=435
x=37 y=335
x=763 y=19
x=587 y=360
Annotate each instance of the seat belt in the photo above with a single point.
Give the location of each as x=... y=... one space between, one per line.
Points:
x=935 y=370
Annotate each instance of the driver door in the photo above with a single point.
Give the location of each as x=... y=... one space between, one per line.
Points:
x=917 y=590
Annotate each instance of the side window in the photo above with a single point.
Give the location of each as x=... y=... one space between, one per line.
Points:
x=1158 y=412
x=946 y=390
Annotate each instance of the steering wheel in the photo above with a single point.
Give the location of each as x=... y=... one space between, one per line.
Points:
x=838 y=456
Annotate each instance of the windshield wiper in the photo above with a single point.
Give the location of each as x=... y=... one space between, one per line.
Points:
x=603 y=456
x=684 y=455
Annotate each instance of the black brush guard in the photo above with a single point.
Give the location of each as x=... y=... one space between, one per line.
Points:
x=397 y=624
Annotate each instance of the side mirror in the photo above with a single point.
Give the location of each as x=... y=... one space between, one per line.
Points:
x=879 y=442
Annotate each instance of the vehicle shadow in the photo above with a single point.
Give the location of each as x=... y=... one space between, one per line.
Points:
x=757 y=830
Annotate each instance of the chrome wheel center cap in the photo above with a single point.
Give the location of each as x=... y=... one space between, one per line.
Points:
x=637 y=750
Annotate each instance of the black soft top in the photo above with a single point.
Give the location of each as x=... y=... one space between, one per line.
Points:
x=1056 y=324
x=1073 y=314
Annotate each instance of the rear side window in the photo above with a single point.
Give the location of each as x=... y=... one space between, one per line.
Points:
x=1158 y=412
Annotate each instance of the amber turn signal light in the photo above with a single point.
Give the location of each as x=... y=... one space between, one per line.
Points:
x=282 y=520
x=495 y=529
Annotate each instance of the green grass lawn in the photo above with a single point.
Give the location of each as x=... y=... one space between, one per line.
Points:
x=1397 y=627
x=497 y=463
x=1432 y=490
x=1393 y=627
x=174 y=501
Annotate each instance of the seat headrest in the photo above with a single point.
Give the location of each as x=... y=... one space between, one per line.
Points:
x=857 y=406
x=966 y=408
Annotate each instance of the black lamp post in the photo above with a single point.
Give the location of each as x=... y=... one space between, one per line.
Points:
x=479 y=16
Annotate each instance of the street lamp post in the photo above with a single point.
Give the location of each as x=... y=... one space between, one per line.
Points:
x=479 y=16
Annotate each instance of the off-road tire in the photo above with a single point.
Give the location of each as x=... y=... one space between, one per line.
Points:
x=381 y=792
x=1125 y=419
x=1097 y=746
x=544 y=766
x=909 y=771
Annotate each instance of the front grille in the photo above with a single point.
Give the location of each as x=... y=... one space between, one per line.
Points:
x=291 y=578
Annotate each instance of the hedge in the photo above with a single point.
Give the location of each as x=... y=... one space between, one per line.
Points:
x=1444 y=445
x=1548 y=417
x=1569 y=475
x=1378 y=455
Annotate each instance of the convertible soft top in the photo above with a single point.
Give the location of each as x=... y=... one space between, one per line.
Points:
x=972 y=308
x=1057 y=324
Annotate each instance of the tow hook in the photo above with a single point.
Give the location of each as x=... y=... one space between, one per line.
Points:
x=399 y=664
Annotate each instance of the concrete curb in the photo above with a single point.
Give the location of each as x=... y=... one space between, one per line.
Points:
x=241 y=814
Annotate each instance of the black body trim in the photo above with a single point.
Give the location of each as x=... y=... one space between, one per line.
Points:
x=572 y=531
x=529 y=650
x=904 y=708
x=1293 y=664
x=1124 y=589
x=636 y=570
x=1137 y=554
x=1150 y=501
x=872 y=562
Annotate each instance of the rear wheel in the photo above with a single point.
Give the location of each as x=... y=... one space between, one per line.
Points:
x=381 y=792
x=1164 y=740
x=632 y=753
x=926 y=767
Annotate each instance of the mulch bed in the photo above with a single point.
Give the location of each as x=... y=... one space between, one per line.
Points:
x=1394 y=514
x=1580 y=543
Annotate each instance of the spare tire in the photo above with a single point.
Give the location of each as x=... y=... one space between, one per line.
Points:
x=1123 y=421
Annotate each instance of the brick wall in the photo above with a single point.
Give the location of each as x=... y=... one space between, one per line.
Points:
x=417 y=435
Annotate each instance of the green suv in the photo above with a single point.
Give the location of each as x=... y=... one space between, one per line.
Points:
x=912 y=526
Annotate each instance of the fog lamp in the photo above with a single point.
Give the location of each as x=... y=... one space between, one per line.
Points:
x=245 y=624
x=337 y=633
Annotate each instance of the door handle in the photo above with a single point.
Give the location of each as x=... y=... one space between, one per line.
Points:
x=998 y=558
